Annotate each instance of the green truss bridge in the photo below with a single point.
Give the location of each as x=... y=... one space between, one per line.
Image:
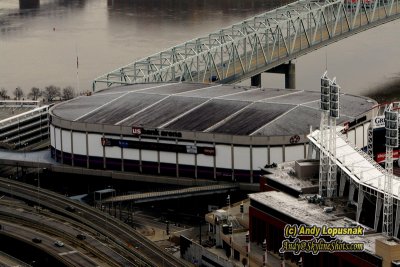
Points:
x=266 y=42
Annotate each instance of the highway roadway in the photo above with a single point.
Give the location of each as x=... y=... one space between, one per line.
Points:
x=9 y=261
x=113 y=232
x=65 y=254
x=51 y=227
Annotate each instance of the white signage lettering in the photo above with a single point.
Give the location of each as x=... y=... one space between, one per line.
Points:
x=378 y=121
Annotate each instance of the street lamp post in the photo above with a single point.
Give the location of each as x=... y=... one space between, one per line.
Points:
x=283 y=264
x=264 y=247
x=230 y=225
x=38 y=188
x=10 y=190
x=24 y=147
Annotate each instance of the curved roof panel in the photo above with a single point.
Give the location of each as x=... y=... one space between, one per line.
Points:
x=225 y=109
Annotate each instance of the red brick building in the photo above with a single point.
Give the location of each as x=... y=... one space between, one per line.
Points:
x=270 y=212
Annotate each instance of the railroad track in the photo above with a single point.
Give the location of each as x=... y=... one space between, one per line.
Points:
x=115 y=231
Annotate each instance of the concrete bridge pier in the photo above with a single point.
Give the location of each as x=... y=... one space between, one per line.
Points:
x=289 y=69
x=290 y=76
x=256 y=80
x=27 y=4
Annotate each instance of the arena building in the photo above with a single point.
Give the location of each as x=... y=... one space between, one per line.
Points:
x=217 y=132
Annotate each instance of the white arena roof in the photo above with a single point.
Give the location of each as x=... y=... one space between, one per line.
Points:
x=222 y=109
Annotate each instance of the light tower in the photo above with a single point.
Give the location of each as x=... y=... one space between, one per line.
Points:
x=333 y=116
x=370 y=140
x=323 y=135
x=392 y=141
x=329 y=115
x=377 y=121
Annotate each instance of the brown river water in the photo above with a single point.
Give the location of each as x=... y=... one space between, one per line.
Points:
x=39 y=42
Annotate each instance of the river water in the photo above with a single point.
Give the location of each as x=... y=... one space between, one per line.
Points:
x=40 y=42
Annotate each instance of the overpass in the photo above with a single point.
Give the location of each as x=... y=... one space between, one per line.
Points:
x=262 y=43
x=173 y=194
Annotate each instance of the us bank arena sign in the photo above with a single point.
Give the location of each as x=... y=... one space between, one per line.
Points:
x=138 y=131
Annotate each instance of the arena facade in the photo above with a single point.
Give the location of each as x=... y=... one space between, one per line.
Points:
x=216 y=132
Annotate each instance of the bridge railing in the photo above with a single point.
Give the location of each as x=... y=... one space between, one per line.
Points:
x=19 y=103
x=257 y=44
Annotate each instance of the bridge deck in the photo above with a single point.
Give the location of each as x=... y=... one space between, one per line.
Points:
x=180 y=193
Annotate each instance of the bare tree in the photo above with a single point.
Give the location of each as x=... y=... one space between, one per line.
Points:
x=18 y=93
x=34 y=93
x=51 y=92
x=3 y=94
x=68 y=93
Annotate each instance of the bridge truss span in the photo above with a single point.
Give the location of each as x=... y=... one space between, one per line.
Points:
x=257 y=44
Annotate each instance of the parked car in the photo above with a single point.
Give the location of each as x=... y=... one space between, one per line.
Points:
x=70 y=208
x=36 y=240
x=81 y=236
x=58 y=243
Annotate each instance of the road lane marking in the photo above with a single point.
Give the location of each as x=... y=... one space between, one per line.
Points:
x=68 y=252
